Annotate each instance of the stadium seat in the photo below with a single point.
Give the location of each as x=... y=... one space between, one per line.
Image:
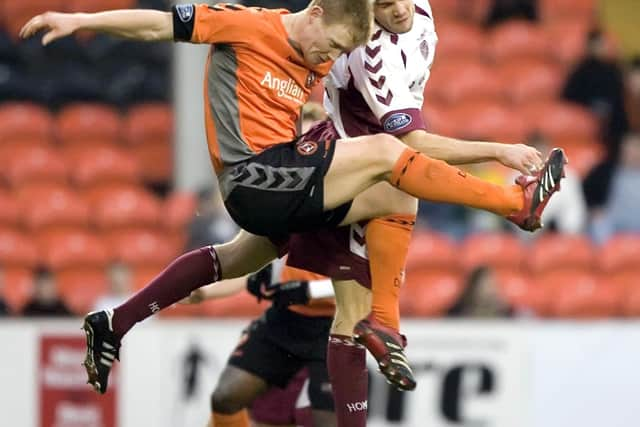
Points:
x=629 y=286
x=143 y=248
x=103 y=164
x=522 y=293
x=72 y=249
x=559 y=120
x=473 y=80
x=459 y=40
x=489 y=120
x=517 y=39
x=551 y=10
x=34 y=164
x=445 y=9
x=149 y=132
x=438 y=118
x=81 y=287
x=620 y=254
x=17 y=249
x=431 y=251
x=497 y=250
x=17 y=13
x=558 y=252
x=577 y=294
x=18 y=286
x=429 y=293
x=583 y=155
x=52 y=207
x=88 y=122
x=10 y=213
x=525 y=79
x=23 y=121
x=125 y=206
x=179 y=209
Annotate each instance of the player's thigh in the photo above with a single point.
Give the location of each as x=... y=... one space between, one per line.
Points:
x=357 y=164
x=353 y=302
x=236 y=389
x=380 y=200
x=245 y=254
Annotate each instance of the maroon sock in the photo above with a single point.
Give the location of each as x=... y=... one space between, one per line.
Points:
x=186 y=273
x=347 y=366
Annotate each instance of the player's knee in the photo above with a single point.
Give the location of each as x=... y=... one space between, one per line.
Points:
x=224 y=401
x=385 y=149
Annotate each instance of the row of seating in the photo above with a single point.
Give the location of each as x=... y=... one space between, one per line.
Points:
x=572 y=293
x=41 y=207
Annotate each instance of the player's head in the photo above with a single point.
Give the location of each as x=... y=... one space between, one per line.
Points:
x=333 y=27
x=395 y=16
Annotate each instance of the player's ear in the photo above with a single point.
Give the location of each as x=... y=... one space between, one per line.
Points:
x=316 y=11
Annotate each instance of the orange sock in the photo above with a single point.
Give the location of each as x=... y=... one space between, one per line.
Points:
x=435 y=180
x=387 y=245
x=239 y=419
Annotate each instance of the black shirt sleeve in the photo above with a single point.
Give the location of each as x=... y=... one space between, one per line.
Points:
x=184 y=18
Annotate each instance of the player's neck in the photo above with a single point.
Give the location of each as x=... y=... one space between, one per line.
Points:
x=293 y=26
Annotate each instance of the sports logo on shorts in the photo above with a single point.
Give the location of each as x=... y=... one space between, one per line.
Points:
x=397 y=121
x=307 y=148
x=311 y=79
x=424 y=49
x=185 y=12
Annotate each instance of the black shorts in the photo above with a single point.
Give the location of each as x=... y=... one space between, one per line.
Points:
x=281 y=190
x=279 y=344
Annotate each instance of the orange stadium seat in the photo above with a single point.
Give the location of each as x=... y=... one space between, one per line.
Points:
x=567 y=39
x=473 y=80
x=118 y=206
x=149 y=132
x=81 y=287
x=620 y=253
x=34 y=164
x=23 y=121
x=497 y=250
x=438 y=117
x=72 y=249
x=530 y=78
x=103 y=164
x=551 y=10
x=489 y=120
x=52 y=207
x=583 y=155
x=17 y=249
x=431 y=251
x=560 y=252
x=143 y=248
x=559 y=120
x=179 y=209
x=629 y=286
x=88 y=122
x=429 y=293
x=16 y=13
x=459 y=40
x=10 y=213
x=516 y=38
x=577 y=294
x=522 y=293
x=445 y=8
x=18 y=286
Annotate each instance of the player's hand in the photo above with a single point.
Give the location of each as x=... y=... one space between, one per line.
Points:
x=196 y=297
x=521 y=157
x=55 y=25
x=259 y=284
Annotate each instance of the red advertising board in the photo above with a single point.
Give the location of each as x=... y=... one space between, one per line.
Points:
x=66 y=400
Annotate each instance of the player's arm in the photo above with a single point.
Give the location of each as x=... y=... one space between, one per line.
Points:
x=136 y=24
x=457 y=151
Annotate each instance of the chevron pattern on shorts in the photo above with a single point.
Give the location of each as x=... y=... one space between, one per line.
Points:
x=263 y=177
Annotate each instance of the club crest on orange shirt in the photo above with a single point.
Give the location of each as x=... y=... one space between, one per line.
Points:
x=307 y=148
x=311 y=79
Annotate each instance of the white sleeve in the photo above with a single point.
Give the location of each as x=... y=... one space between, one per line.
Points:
x=379 y=74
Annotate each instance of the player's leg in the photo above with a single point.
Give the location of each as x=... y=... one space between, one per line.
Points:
x=105 y=329
x=360 y=162
x=346 y=359
x=235 y=391
x=320 y=393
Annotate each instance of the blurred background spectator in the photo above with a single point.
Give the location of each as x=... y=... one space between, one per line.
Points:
x=119 y=287
x=504 y=10
x=633 y=93
x=45 y=300
x=481 y=297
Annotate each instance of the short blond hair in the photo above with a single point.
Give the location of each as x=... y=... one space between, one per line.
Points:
x=357 y=14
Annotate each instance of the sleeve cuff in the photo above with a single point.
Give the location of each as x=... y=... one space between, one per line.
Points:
x=399 y=122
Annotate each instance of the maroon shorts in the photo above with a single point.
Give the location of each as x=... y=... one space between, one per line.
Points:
x=339 y=253
x=280 y=405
